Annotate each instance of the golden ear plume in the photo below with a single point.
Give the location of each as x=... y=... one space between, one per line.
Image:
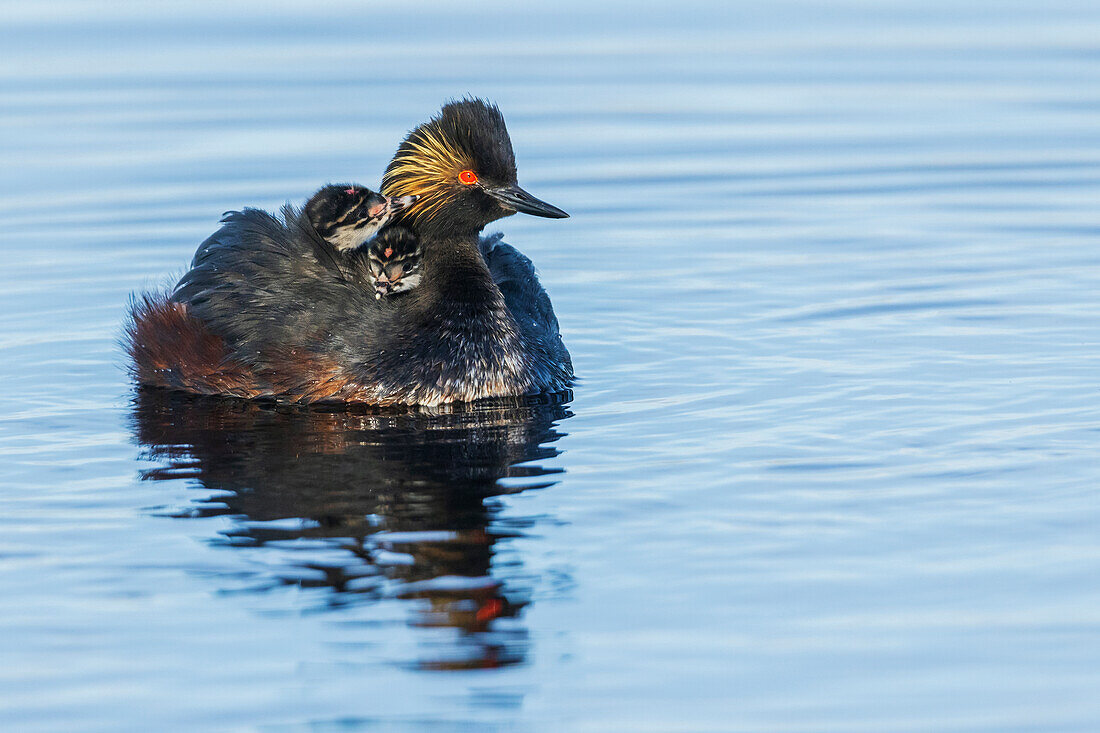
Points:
x=426 y=165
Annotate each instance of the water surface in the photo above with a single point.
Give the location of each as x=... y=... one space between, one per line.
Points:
x=831 y=282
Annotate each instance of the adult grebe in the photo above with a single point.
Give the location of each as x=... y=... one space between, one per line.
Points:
x=269 y=309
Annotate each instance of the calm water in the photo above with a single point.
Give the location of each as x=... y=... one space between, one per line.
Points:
x=833 y=286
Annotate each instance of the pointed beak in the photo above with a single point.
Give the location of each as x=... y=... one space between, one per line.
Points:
x=388 y=206
x=382 y=286
x=397 y=203
x=514 y=197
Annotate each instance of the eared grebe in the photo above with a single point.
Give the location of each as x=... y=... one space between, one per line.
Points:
x=347 y=215
x=269 y=309
x=393 y=260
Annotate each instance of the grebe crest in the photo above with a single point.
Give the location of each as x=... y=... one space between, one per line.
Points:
x=461 y=168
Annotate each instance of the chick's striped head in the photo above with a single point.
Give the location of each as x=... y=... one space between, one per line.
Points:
x=451 y=163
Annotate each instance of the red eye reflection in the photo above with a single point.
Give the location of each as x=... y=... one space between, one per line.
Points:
x=467 y=178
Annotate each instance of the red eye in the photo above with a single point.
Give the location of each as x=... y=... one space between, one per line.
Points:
x=467 y=178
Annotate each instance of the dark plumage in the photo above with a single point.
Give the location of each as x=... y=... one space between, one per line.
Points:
x=271 y=309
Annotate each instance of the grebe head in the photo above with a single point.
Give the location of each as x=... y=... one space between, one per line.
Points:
x=394 y=261
x=347 y=215
x=461 y=168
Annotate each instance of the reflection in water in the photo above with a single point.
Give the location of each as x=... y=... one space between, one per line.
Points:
x=368 y=504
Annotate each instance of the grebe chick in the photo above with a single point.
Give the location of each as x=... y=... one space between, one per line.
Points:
x=346 y=215
x=393 y=258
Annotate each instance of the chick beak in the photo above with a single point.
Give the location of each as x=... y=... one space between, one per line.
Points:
x=515 y=198
x=387 y=206
x=397 y=203
x=381 y=286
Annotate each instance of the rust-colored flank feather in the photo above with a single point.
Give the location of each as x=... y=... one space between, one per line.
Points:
x=171 y=348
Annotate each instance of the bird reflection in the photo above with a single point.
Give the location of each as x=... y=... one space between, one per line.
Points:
x=369 y=504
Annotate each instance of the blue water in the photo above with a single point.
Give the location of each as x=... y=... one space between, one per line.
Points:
x=832 y=285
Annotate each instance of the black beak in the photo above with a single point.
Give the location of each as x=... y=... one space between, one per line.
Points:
x=514 y=197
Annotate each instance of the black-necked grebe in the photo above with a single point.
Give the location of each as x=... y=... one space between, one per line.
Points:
x=268 y=308
x=349 y=217
x=346 y=215
x=393 y=260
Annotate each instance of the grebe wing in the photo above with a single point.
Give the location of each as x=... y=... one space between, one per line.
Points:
x=515 y=275
x=260 y=281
